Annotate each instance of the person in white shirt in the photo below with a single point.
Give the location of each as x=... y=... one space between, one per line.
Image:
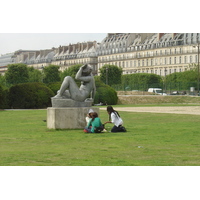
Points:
x=115 y=118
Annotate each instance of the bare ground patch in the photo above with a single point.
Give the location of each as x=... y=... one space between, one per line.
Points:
x=193 y=110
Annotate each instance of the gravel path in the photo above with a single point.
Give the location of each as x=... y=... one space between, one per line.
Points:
x=193 y=110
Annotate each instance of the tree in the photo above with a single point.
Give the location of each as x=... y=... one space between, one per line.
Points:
x=35 y=75
x=16 y=73
x=182 y=80
x=51 y=74
x=141 y=81
x=2 y=80
x=70 y=71
x=111 y=74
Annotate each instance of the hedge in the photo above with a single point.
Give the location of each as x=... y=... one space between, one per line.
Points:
x=30 y=95
x=105 y=94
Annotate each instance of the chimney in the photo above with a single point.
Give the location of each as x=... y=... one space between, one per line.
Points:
x=160 y=35
x=173 y=35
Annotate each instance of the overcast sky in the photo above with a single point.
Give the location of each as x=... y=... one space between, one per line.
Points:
x=10 y=42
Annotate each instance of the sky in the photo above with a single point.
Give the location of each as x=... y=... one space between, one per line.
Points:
x=10 y=42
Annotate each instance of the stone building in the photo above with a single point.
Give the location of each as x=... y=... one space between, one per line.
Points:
x=158 y=53
x=5 y=60
x=73 y=54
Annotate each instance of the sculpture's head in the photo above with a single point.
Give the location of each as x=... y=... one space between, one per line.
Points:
x=87 y=69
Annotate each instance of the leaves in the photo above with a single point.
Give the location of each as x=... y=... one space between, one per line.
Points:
x=111 y=74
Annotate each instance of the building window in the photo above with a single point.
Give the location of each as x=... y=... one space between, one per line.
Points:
x=190 y=59
x=174 y=60
x=185 y=59
x=180 y=59
x=170 y=60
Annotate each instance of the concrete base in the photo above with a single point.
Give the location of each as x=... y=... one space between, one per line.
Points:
x=67 y=118
x=60 y=103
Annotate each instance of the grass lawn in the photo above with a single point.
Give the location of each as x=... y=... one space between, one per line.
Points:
x=151 y=140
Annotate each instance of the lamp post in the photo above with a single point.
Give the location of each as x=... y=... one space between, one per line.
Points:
x=106 y=75
x=197 y=68
x=198 y=71
x=165 y=80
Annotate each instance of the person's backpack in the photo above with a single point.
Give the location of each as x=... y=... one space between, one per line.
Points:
x=99 y=129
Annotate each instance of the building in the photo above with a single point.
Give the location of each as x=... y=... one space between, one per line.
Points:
x=73 y=54
x=158 y=53
x=5 y=60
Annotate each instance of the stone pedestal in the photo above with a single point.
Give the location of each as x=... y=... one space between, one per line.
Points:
x=67 y=117
x=58 y=103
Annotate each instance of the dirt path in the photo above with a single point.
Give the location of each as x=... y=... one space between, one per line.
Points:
x=193 y=110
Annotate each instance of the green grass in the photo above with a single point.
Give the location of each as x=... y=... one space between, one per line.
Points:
x=152 y=140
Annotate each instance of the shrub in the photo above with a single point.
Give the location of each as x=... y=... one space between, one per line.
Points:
x=54 y=86
x=3 y=97
x=105 y=94
x=140 y=81
x=30 y=95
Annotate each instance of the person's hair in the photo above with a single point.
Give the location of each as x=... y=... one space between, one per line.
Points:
x=94 y=115
x=111 y=110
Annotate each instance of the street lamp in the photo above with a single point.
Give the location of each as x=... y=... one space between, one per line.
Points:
x=197 y=69
x=106 y=75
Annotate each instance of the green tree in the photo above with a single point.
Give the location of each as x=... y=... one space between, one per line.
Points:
x=51 y=74
x=35 y=75
x=16 y=73
x=182 y=80
x=141 y=81
x=2 y=80
x=70 y=71
x=110 y=74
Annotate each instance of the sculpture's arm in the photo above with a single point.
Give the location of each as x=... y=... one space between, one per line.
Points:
x=79 y=74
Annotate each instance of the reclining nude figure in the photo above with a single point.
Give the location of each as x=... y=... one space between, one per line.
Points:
x=70 y=90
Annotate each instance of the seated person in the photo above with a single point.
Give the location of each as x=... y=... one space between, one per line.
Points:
x=89 y=116
x=93 y=124
x=115 y=119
